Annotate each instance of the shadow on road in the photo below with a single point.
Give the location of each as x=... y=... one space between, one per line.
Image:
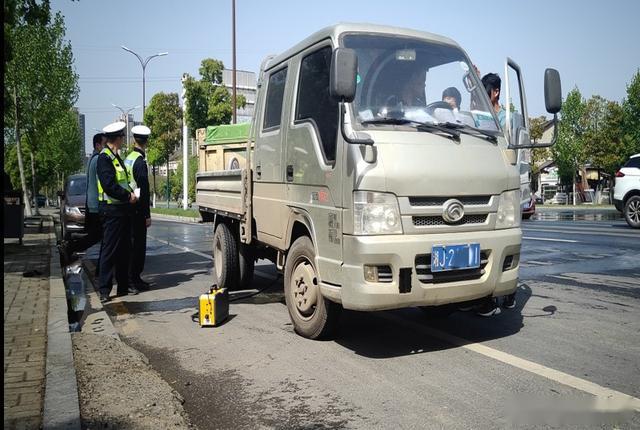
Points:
x=397 y=333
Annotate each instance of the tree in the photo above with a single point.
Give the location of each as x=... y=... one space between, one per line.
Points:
x=568 y=152
x=176 y=180
x=40 y=83
x=631 y=116
x=164 y=118
x=208 y=101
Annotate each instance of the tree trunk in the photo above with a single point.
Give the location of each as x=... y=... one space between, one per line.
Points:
x=23 y=182
x=33 y=184
x=168 y=192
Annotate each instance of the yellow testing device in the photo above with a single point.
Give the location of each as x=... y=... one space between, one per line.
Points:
x=214 y=307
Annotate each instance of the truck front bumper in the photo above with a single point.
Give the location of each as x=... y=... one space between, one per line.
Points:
x=411 y=282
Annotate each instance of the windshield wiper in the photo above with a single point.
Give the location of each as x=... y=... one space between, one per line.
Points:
x=421 y=126
x=467 y=129
x=389 y=120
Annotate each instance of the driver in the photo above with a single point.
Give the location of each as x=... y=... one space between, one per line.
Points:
x=452 y=96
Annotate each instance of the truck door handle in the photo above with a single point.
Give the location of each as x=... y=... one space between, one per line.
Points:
x=258 y=171
x=290 y=172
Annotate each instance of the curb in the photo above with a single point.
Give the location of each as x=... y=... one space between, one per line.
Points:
x=97 y=321
x=163 y=217
x=61 y=402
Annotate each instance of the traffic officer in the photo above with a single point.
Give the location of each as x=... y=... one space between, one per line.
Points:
x=141 y=218
x=115 y=200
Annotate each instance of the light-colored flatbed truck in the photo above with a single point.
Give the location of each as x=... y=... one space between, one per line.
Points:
x=367 y=189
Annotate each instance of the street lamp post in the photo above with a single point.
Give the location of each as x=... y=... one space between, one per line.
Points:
x=126 y=117
x=144 y=63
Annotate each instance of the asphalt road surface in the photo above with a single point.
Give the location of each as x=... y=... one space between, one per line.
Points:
x=574 y=336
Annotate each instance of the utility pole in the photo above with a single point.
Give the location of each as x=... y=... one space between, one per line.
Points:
x=233 y=39
x=185 y=143
x=23 y=182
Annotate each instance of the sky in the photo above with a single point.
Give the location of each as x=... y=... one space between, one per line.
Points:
x=593 y=44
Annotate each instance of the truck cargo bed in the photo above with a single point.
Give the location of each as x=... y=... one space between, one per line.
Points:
x=220 y=191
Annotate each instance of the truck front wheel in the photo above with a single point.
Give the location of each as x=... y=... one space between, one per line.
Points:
x=312 y=315
x=225 y=257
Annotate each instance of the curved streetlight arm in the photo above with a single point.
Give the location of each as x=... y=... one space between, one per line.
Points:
x=143 y=63
x=137 y=56
x=161 y=54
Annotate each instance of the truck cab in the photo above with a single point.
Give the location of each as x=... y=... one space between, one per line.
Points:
x=365 y=187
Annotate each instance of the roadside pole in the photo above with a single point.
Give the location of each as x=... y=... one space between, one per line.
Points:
x=185 y=143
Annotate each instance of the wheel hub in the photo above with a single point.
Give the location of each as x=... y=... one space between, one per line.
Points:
x=304 y=286
x=634 y=211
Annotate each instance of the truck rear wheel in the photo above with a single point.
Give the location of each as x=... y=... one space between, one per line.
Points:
x=225 y=257
x=312 y=315
x=246 y=264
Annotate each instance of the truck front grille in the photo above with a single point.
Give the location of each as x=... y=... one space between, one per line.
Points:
x=425 y=276
x=439 y=201
x=427 y=221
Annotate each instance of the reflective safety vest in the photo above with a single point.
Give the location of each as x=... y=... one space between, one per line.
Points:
x=121 y=179
x=128 y=164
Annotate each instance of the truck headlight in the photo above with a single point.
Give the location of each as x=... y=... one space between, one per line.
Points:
x=375 y=213
x=508 y=215
x=72 y=210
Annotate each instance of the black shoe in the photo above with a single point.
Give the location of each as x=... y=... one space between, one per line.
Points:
x=142 y=285
x=133 y=290
x=122 y=293
x=509 y=301
x=104 y=298
x=488 y=309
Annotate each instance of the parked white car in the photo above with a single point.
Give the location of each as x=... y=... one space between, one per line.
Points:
x=626 y=194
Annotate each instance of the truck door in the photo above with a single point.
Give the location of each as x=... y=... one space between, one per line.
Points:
x=269 y=189
x=313 y=154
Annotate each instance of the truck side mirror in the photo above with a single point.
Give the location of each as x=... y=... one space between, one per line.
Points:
x=342 y=81
x=552 y=91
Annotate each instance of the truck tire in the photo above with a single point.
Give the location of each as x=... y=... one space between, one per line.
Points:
x=225 y=257
x=312 y=315
x=246 y=264
x=632 y=211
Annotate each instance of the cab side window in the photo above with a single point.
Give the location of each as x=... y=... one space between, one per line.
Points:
x=275 y=93
x=314 y=104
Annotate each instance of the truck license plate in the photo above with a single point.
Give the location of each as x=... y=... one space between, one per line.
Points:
x=455 y=257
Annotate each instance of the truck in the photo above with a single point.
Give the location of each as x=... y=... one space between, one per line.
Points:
x=365 y=188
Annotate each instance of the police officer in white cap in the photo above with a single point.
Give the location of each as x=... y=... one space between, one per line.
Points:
x=115 y=200
x=141 y=218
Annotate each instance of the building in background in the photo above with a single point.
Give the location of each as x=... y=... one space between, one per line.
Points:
x=246 y=86
x=81 y=127
x=130 y=124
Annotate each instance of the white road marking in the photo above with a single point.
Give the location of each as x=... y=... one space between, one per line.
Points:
x=526 y=365
x=549 y=239
x=203 y=255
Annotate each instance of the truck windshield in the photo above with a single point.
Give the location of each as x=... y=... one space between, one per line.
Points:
x=415 y=80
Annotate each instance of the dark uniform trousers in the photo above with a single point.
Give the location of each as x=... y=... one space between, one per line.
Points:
x=114 y=253
x=93 y=235
x=138 y=247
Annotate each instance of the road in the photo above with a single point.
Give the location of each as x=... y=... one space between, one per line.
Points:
x=575 y=333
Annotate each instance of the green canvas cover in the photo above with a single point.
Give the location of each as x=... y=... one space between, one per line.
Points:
x=227 y=133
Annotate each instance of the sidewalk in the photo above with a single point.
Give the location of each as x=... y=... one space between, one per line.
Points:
x=26 y=305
